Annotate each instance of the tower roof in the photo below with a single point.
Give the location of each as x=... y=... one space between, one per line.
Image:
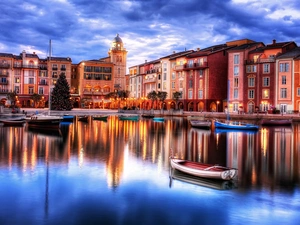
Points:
x=117 y=39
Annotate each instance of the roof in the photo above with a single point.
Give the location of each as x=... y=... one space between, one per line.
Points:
x=60 y=58
x=246 y=46
x=6 y=55
x=294 y=53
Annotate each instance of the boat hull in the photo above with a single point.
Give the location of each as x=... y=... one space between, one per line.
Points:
x=237 y=126
x=13 y=122
x=204 y=124
x=134 y=118
x=44 y=122
x=203 y=170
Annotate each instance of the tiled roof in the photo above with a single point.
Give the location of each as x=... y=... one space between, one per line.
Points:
x=245 y=46
x=6 y=55
x=290 y=54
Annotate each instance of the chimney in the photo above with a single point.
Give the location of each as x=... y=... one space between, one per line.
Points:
x=274 y=41
x=174 y=52
x=198 y=49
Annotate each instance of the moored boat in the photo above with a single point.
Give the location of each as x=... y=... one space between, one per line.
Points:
x=68 y=118
x=129 y=117
x=203 y=170
x=83 y=118
x=43 y=122
x=205 y=124
x=158 y=119
x=276 y=122
x=9 y=122
x=100 y=117
x=148 y=116
x=236 y=125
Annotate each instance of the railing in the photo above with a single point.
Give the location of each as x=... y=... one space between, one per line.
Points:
x=63 y=68
x=54 y=68
x=43 y=83
x=4 y=82
x=4 y=73
x=4 y=65
x=3 y=91
x=252 y=61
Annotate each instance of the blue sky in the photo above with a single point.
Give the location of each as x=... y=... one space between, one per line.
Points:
x=150 y=29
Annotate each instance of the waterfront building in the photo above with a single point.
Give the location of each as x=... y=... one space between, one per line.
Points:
x=237 y=78
x=287 y=81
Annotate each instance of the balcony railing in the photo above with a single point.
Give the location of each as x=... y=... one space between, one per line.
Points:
x=4 y=82
x=63 y=68
x=43 y=83
x=4 y=65
x=252 y=61
x=2 y=73
x=3 y=91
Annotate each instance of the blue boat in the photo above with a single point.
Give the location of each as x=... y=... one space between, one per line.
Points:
x=236 y=125
x=158 y=119
x=68 y=118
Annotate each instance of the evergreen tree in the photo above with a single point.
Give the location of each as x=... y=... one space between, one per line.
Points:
x=60 y=96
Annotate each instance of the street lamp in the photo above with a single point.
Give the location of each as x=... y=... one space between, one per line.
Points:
x=218 y=106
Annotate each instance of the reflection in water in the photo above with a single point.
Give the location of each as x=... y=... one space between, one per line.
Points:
x=269 y=157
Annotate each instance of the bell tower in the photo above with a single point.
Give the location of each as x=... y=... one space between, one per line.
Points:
x=118 y=56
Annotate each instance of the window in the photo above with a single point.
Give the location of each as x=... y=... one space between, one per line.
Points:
x=201 y=73
x=165 y=76
x=54 y=66
x=31 y=73
x=284 y=67
x=173 y=76
x=283 y=80
x=266 y=81
x=265 y=93
x=251 y=94
x=41 y=91
x=190 y=83
x=17 y=89
x=190 y=63
x=236 y=59
x=31 y=80
x=173 y=85
x=235 y=93
x=236 y=82
x=298 y=91
x=283 y=92
x=30 y=90
x=200 y=94
x=17 y=79
x=248 y=68
x=251 y=82
x=236 y=70
x=266 y=68
x=190 y=94
x=191 y=74
x=181 y=84
x=254 y=68
x=201 y=84
x=54 y=74
x=63 y=67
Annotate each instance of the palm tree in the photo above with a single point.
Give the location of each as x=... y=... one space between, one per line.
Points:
x=152 y=96
x=176 y=96
x=11 y=96
x=162 y=95
x=36 y=98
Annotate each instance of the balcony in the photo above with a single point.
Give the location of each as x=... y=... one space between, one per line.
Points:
x=4 y=82
x=4 y=91
x=43 y=68
x=4 y=65
x=30 y=66
x=63 y=69
x=43 y=83
x=54 y=68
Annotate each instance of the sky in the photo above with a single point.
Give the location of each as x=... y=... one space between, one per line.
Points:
x=150 y=29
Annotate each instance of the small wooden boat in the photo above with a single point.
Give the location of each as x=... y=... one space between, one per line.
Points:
x=205 y=124
x=83 y=118
x=43 y=122
x=236 y=125
x=148 y=116
x=203 y=170
x=276 y=122
x=100 y=117
x=129 y=117
x=158 y=119
x=9 y=122
x=204 y=182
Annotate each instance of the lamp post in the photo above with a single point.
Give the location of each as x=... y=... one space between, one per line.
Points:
x=218 y=106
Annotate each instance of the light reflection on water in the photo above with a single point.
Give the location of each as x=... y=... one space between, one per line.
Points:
x=117 y=172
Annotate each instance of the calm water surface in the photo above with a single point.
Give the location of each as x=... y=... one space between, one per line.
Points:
x=117 y=172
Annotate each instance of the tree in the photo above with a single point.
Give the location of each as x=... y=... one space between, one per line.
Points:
x=60 y=96
x=162 y=95
x=176 y=96
x=36 y=98
x=11 y=96
x=152 y=96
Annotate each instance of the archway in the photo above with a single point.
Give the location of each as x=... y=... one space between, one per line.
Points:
x=213 y=107
x=200 y=107
x=190 y=106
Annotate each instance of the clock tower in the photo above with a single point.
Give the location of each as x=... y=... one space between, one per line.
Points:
x=118 y=56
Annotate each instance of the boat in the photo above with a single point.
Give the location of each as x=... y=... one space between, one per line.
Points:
x=148 y=116
x=203 y=170
x=68 y=118
x=276 y=122
x=204 y=182
x=158 y=119
x=129 y=117
x=205 y=124
x=236 y=125
x=224 y=130
x=100 y=117
x=83 y=118
x=43 y=122
x=9 y=122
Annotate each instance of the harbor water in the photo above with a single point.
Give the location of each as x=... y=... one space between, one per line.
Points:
x=117 y=172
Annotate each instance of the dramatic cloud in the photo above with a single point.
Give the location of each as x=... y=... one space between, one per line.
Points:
x=150 y=29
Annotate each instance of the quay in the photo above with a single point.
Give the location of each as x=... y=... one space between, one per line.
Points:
x=179 y=113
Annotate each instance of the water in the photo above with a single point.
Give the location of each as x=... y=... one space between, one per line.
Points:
x=117 y=172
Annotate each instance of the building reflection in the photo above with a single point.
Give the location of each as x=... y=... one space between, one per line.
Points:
x=270 y=156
